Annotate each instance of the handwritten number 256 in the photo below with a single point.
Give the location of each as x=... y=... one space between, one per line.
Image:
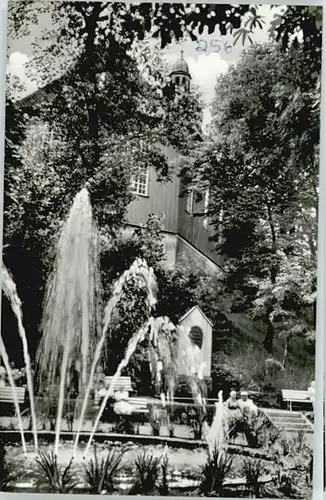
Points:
x=217 y=45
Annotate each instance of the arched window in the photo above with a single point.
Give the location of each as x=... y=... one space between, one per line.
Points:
x=177 y=80
x=183 y=80
x=196 y=336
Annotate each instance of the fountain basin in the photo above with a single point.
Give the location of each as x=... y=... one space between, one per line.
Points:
x=12 y=437
x=184 y=475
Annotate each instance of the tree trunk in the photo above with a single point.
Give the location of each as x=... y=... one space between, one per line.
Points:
x=270 y=332
x=285 y=353
x=269 y=336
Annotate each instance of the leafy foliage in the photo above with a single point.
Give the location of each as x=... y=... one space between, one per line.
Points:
x=174 y=21
x=7 y=471
x=262 y=169
x=215 y=472
x=146 y=474
x=253 y=469
x=52 y=477
x=111 y=127
x=100 y=474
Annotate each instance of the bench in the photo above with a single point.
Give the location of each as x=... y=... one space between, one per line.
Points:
x=6 y=395
x=122 y=383
x=292 y=396
x=139 y=404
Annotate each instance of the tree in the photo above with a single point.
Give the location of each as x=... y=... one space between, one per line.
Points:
x=173 y=21
x=96 y=125
x=262 y=169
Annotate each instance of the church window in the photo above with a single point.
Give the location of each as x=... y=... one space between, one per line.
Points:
x=183 y=80
x=177 y=80
x=196 y=336
x=139 y=183
x=190 y=203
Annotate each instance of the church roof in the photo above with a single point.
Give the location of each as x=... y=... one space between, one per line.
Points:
x=180 y=65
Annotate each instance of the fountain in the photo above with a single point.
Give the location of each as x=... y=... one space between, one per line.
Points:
x=71 y=338
x=9 y=289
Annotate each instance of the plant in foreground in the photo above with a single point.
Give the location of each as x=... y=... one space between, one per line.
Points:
x=253 y=469
x=215 y=471
x=156 y=427
x=146 y=474
x=100 y=474
x=6 y=471
x=164 y=487
x=52 y=477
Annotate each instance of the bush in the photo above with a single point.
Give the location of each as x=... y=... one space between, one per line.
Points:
x=51 y=477
x=146 y=474
x=257 y=429
x=215 y=472
x=253 y=469
x=123 y=426
x=6 y=471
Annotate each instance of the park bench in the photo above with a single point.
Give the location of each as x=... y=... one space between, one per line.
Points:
x=298 y=398
x=139 y=404
x=6 y=395
x=122 y=383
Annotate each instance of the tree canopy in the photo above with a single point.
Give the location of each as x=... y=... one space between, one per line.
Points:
x=261 y=166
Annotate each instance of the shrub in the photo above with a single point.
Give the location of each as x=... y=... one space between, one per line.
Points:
x=164 y=487
x=195 y=423
x=253 y=469
x=156 y=427
x=215 y=472
x=123 y=426
x=51 y=477
x=146 y=474
x=257 y=429
x=6 y=471
x=100 y=474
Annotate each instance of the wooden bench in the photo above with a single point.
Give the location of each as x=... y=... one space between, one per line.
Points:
x=122 y=383
x=6 y=395
x=139 y=404
x=298 y=397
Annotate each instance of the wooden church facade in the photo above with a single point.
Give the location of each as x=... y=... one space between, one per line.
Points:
x=186 y=236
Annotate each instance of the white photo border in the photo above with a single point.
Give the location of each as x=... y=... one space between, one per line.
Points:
x=320 y=401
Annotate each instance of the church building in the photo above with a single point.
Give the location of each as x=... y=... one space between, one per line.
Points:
x=186 y=236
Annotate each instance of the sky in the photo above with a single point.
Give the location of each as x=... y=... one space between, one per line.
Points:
x=204 y=67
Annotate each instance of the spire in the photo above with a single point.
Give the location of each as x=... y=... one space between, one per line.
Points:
x=180 y=75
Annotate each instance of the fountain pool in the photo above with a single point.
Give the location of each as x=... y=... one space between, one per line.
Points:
x=73 y=341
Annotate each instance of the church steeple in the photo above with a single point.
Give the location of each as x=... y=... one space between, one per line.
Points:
x=180 y=76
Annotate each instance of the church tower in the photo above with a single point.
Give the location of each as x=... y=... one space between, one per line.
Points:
x=180 y=76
